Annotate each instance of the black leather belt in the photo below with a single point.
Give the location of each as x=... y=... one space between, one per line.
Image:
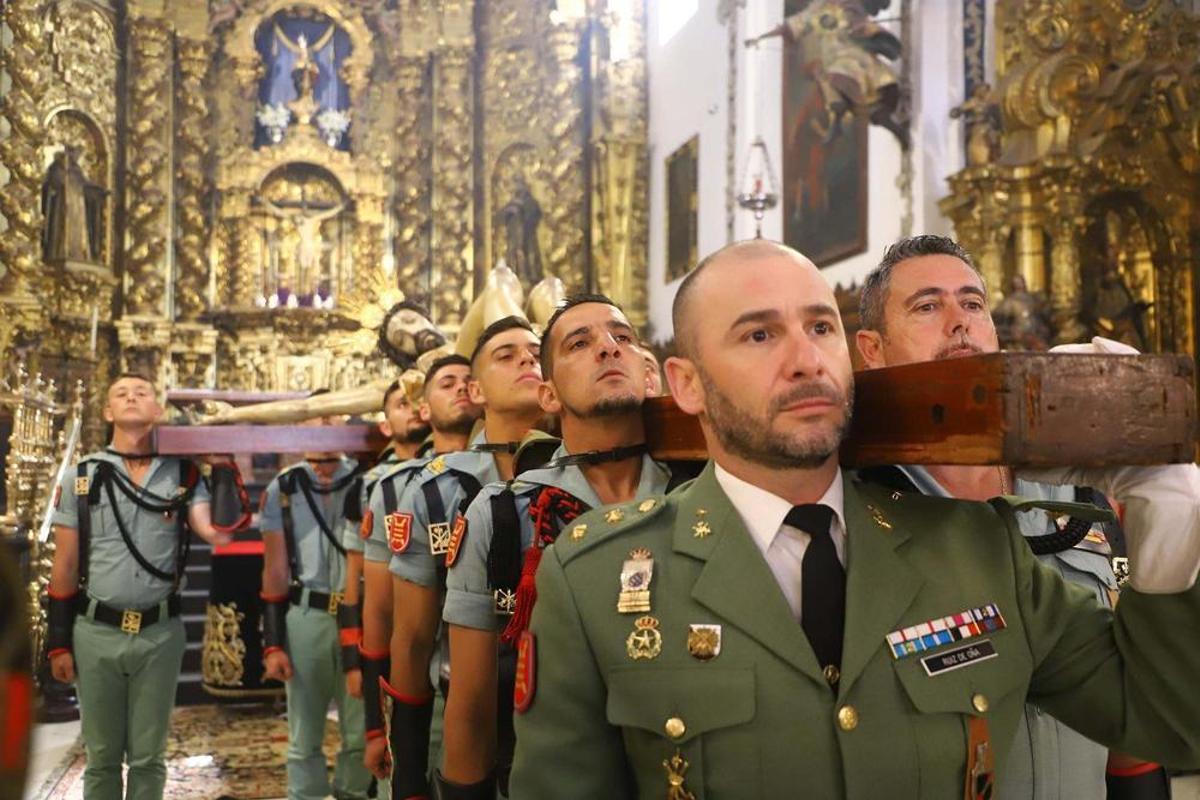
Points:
x=317 y=600
x=130 y=620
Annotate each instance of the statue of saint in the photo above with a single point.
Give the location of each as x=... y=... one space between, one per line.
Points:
x=72 y=210
x=1022 y=319
x=981 y=117
x=520 y=218
x=1118 y=314
x=304 y=77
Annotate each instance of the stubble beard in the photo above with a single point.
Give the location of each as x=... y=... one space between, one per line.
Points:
x=608 y=407
x=751 y=438
x=455 y=424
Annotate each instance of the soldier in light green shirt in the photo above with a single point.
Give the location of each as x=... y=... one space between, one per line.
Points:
x=809 y=635
x=114 y=627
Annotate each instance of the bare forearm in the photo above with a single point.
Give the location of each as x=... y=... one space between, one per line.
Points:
x=275 y=577
x=377 y=607
x=64 y=573
x=354 y=569
x=200 y=521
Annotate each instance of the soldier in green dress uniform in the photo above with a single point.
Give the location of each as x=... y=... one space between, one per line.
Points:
x=120 y=532
x=446 y=407
x=595 y=382
x=809 y=634
x=304 y=565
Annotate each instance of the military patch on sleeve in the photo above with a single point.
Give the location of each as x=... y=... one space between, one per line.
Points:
x=367 y=525
x=439 y=538
x=525 y=684
x=399 y=530
x=457 y=536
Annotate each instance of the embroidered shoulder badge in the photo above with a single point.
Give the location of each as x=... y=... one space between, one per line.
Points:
x=525 y=684
x=399 y=530
x=457 y=537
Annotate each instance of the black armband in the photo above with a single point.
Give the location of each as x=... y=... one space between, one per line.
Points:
x=60 y=623
x=274 y=621
x=349 y=621
x=483 y=790
x=374 y=667
x=409 y=740
x=1149 y=782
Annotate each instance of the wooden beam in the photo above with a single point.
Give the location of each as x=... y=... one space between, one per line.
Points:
x=200 y=439
x=183 y=397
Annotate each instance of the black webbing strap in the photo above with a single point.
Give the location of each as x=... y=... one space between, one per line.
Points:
x=106 y=477
x=504 y=554
x=352 y=508
x=83 y=510
x=287 y=487
x=306 y=488
x=390 y=500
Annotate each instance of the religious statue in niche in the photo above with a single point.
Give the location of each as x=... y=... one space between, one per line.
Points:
x=981 y=118
x=840 y=48
x=1023 y=318
x=72 y=210
x=304 y=238
x=1117 y=313
x=519 y=219
x=303 y=52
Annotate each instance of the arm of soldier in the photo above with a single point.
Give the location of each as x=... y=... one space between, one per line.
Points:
x=470 y=726
x=469 y=734
x=1121 y=679
x=276 y=578
x=63 y=590
x=565 y=746
x=63 y=595
x=200 y=521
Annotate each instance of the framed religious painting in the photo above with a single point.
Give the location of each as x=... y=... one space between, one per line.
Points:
x=824 y=161
x=682 y=192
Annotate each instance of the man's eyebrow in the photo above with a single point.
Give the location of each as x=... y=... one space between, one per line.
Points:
x=969 y=289
x=580 y=330
x=756 y=315
x=928 y=291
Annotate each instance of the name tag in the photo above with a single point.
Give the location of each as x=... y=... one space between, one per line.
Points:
x=959 y=657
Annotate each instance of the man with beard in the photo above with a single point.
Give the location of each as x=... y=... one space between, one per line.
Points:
x=406 y=432
x=505 y=379
x=809 y=634
x=924 y=302
x=595 y=377
x=447 y=410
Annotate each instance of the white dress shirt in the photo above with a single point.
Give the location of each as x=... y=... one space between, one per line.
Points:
x=782 y=545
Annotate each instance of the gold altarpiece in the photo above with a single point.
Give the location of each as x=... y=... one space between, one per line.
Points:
x=1087 y=188
x=476 y=131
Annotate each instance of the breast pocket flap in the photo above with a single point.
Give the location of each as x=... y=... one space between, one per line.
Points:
x=680 y=704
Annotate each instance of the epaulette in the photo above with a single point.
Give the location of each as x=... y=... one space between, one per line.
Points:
x=1083 y=511
x=408 y=465
x=605 y=523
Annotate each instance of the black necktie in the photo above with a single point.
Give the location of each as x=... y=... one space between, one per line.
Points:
x=822 y=584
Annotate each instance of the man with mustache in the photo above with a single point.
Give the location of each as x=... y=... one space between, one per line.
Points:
x=926 y=302
x=808 y=634
x=595 y=383
x=505 y=379
x=448 y=411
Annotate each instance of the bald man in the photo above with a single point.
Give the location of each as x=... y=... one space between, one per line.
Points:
x=776 y=629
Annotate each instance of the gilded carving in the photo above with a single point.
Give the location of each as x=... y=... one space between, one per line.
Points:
x=413 y=174
x=148 y=167
x=452 y=282
x=1100 y=108
x=224 y=651
x=191 y=146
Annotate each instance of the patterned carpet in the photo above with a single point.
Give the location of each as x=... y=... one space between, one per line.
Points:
x=213 y=752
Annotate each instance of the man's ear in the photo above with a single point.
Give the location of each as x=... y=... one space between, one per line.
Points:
x=108 y=414
x=425 y=412
x=685 y=383
x=475 y=392
x=159 y=410
x=548 y=398
x=385 y=428
x=870 y=347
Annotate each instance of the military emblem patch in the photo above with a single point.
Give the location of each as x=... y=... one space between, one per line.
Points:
x=367 y=525
x=457 y=536
x=704 y=641
x=525 y=684
x=399 y=530
x=439 y=538
x=645 y=642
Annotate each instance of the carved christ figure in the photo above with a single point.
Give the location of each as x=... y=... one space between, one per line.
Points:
x=309 y=245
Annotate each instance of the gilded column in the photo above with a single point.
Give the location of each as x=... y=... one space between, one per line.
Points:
x=1029 y=233
x=452 y=281
x=1066 y=276
x=191 y=146
x=23 y=59
x=565 y=217
x=148 y=161
x=413 y=176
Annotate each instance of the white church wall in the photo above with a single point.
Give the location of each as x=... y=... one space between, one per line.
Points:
x=688 y=77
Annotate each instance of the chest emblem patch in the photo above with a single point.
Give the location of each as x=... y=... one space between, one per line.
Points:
x=399 y=530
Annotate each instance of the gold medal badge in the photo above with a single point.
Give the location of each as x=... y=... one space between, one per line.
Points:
x=645 y=642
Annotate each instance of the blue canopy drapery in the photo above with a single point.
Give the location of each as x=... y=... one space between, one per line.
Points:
x=278 y=44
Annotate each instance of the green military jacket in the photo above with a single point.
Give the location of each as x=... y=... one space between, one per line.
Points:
x=614 y=716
